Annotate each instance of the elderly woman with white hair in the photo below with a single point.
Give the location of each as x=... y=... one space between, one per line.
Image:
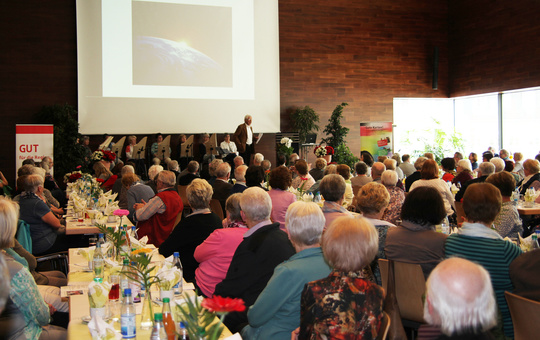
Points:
x=397 y=196
x=276 y=312
x=344 y=305
x=153 y=171
x=27 y=312
x=48 y=235
x=464 y=172
x=193 y=229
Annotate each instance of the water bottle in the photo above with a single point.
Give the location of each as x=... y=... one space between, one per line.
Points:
x=124 y=279
x=515 y=197
x=134 y=232
x=445 y=226
x=127 y=317
x=101 y=239
x=182 y=331
x=98 y=262
x=158 y=332
x=178 y=288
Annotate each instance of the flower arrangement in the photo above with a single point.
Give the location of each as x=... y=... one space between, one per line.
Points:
x=284 y=147
x=71 y=177
x=200 y=316
x=104 y=155
x=322 y=151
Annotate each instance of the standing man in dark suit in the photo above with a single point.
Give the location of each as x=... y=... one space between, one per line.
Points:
x=245 y=140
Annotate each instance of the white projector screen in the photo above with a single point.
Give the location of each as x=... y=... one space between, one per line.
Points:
x=177 y=66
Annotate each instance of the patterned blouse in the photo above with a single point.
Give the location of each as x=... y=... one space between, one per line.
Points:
x=508 y=223
x=341 y=306
x=392 y=212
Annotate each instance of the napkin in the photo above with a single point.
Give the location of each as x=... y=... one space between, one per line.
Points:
x=110 y=208
x=138 y=244
x=168 y=275
x=99 y=329
x=98 y=294
x=87 y=253
x=525 y=243
x=79 y=205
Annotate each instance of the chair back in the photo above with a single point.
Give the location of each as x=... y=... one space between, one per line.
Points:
x=385 y=326
x=215 y=206
x=23 y=235
x=410 y=289
x=459 y=212
x=525 y=316
x=178 y=218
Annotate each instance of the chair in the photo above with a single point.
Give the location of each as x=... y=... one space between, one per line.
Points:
x=182 y=191
x=410 y=290
x=459 y=212
x=215 y=206
x=385 y=326
x=56 y=261
x=178 y=219
x=525 y=316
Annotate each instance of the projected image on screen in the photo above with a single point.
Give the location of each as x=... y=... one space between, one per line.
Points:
x=173 y=46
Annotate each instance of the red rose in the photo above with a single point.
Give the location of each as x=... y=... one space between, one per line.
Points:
x=223 y=304
x=108 y=156
x=329 y=150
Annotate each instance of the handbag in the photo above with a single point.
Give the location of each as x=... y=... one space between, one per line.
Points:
x=396 y=331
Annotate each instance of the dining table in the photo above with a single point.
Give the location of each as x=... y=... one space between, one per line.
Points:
x=79 y=307
x=78 y=226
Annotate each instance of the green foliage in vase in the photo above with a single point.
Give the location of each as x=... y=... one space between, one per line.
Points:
x=198 y=319
x=305 y=122
x=68 y=154
x=335 y=132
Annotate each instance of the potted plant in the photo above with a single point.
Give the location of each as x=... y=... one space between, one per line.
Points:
x=336 y=134
x=305 y=122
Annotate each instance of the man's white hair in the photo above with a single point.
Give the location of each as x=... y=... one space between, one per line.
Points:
x=499 y=163
x=258 y=158
x=153 y=171
x=256 y=204
x=460 y=298
x=389 y=177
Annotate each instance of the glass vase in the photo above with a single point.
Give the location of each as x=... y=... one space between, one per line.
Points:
x=147 y=314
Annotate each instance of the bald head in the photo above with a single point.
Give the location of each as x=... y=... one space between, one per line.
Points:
x=459 y=297
x=377 y=169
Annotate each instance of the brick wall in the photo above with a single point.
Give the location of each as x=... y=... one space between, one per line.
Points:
x=363 y=52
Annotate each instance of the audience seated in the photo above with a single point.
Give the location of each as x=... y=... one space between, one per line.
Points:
x=104 y=175
x=415 y=240
x=191 y=174
x=391 y=164
x=330 y=169
x=448 y=165
x=27 y=314
x=531 y=170
x=255 y=176
x=484 y=170
x=240 y=179
x=459 y=300
x=153 y=171
x=136 y=192
x=264 y=246
x=214 y=255
x=280 y=181
x=430 y=178
x=48 y=235
x=415 y=176
x=464 y=172
x=371 y=200
x=121 y=189
x=221 y=187
x=388 y=179
x=406 y=165
x=507 y=223
x=518 y=167
x=193 y=229
x=318 y=171
x=156 y=218
x=376 y=171
x=332 y=188
x=344 y=305
x=276 y=312
x=257 y=159
x=361 y=177
x=398 y=170
x=303 y=181
x=344 y=171
x=477 y=242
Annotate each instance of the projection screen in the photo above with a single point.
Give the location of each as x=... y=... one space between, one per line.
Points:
x=177 y=66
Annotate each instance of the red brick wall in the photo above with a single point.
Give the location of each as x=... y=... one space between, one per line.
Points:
x=356 y=51
x=494 y=45
x=364 y=53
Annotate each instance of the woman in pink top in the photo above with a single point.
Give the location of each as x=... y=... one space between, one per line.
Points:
x=216 y=252
x=280 y=180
